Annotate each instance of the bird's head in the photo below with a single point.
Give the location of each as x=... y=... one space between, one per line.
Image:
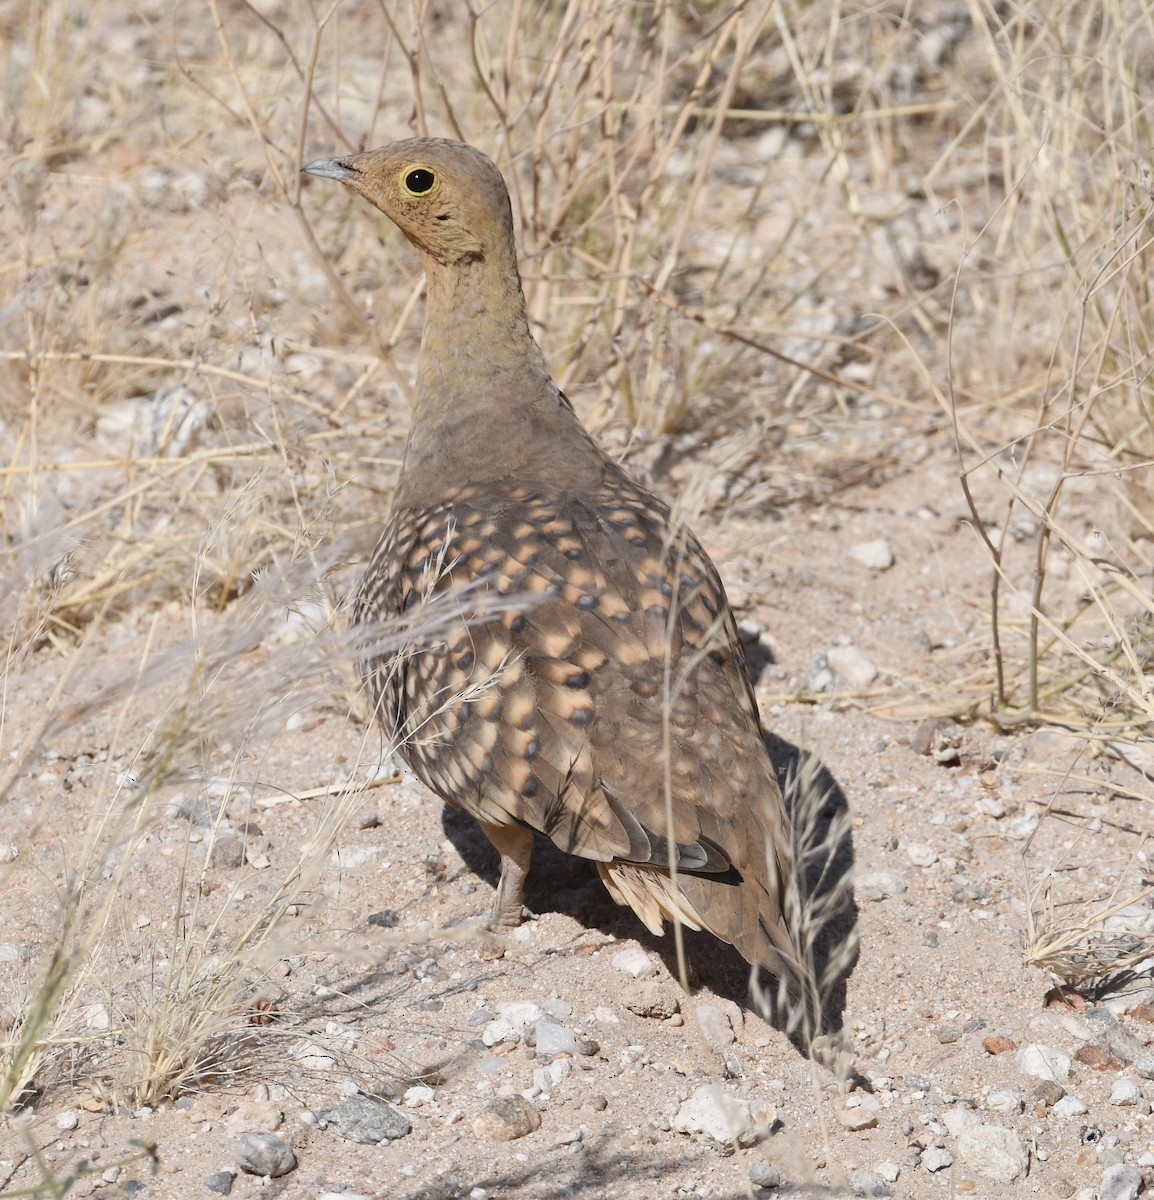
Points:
x=447 y=198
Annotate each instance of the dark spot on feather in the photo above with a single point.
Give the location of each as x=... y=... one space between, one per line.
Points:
x=583 y=717
x=576 y=552
x=530 y=788
x=588 y=601
x=639 y=540
x=717 y=657
x=579 y=679
x=532 y=749
x=517 y=625
x=465 y=662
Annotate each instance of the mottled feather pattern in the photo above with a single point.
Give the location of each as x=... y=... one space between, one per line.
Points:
x=583 y=676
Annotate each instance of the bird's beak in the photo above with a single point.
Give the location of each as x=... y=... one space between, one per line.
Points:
x=330 y=168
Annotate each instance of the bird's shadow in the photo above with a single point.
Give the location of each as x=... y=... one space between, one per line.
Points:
x=560 y=882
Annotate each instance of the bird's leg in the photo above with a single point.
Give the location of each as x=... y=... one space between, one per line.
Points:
x=514 y=843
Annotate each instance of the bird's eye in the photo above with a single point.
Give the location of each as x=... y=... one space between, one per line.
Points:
x=419 y=181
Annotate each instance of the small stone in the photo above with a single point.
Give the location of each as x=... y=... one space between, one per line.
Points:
x=948 y=1034
x=879 y=885
x=227 y=852
x=554 y=1039
x=220 y=1182
x=934 y=1158
x=252 y=1116
x=1125 y=1093
x=368 y=1120
x=1049 y=1092
x=67 y=1120
x=1097 y=1057
x=1145 y=1066
x=876 y=555
x=994 y=1151
x=419 y=1094
x=506 y=1119
x=889 y=1171
x=653 y=999
x=587 y=1047
x=718 y=1115
x=715 y=1026
x=762 y=1175
x=1120 y=1182
x=1071 y=1106
x=1004 y=1102
x=857 y=1119
x=866 y=1183
x=634 y=961
x=998 y=1045
x=921 y=854
x=110 y=1175
x=365 y=818
x=851 y=665
x=265 y=1154
x=1044 y=1062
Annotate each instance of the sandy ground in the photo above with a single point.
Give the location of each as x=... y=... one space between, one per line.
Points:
x=396 y=995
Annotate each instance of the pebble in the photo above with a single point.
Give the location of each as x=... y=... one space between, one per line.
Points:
x=220 y=1182
x=265 y=1154
x=506 y=1119
x=252 y=1116
x=921 y=854
x=227 y=852
x=715 y=1026
x=858 y=1118
x=719 y=1115
x=419 y=1094
x=889 y=1171
x=879 y=885
x=368 y=1120
x=1049 y=1092
x=867 y=1183
x=877 y=554
x=1145 y=1066
x=1125 y=1093
x=554 y=1039
x=762 y=1175
x=653 y=999
x=1044 y=1062
x=994 y=1151
x=851 y=665
x=634 y=961
x=934 y=1158
x=1004 y=1102
x=1071 y=1106
x=1120 y=1182
x=67 y=1120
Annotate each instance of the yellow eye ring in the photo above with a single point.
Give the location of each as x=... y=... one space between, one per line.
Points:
x=419 y=180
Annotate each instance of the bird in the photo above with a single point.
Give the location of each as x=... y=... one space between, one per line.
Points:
x=589 y=683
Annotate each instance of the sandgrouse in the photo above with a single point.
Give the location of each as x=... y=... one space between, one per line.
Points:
x=603 y=698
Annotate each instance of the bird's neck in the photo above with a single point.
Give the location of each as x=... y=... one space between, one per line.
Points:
x=486 y=406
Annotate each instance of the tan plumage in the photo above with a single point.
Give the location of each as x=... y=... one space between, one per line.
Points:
x=608 y=704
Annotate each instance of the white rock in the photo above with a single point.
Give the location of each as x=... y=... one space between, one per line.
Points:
x=1070 y=1106
x=933 y=1158
x=554 y=1039
x=419 y=1094
x=851 y=665
x=715 y=1026
x=1004 y=1102
x=921 y=854
x=879 y=885
x=67 y=1120
x=1125 y=1093
x=96 y=1016
x=877 y=554
x=634 y=961
x=1122 y=1181
x=889 y=1171
x=1044 y=1062
x=718 y=1115
x=995 y=1152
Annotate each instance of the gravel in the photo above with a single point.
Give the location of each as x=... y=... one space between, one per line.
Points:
x=265 y=1154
